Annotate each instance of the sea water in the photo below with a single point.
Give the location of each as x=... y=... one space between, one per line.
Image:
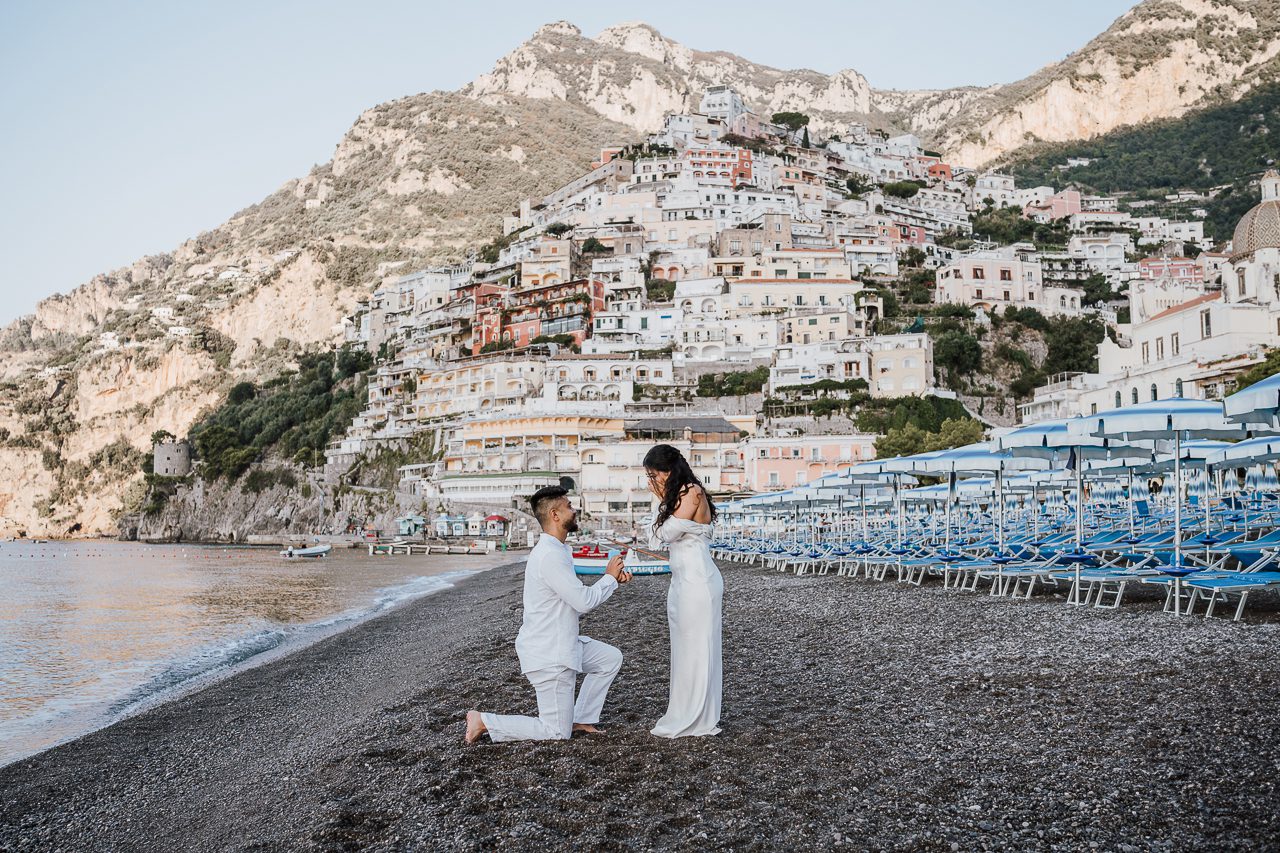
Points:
x=93 y=631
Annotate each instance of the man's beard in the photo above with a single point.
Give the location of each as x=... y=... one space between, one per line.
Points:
x=572 y=526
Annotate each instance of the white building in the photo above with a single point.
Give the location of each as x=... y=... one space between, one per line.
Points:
x=1197 y=347
x=891 y=365
x=997 y=279
x=999 y=188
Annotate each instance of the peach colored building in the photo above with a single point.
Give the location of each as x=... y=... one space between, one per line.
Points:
x=552 y=263
x=1056 y=206
x=772 y=463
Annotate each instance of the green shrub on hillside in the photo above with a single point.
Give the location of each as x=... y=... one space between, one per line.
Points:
x=294 y=415
x=734 y=384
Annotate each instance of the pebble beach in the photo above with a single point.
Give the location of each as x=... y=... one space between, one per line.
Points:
x=857 y=715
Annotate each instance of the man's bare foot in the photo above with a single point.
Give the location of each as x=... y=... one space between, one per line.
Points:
x=588 y=728
x=475 y=728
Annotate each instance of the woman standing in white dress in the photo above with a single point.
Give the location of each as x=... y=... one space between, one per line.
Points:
x=683 y=523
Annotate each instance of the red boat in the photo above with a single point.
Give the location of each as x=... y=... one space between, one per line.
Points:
x=590 y=560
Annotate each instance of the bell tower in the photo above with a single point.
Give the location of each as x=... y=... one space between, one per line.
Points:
x=1271 y=186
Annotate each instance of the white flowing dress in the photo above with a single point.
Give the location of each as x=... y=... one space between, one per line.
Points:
x=693 y=615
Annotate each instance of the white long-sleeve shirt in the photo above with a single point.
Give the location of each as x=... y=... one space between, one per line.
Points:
x=553 y=600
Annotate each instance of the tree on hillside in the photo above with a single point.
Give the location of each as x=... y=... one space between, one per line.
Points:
x=901 y=189
x=1097 y=290
x=959 y=352
x=957 y=432
x=909 y=438
x=901 y=441
x=1260 y=371
x=1073 y=344
x=790 y=120
x=859 y=184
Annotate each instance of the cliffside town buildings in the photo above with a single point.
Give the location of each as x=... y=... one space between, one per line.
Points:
x=576 y=341
x=1194 y=324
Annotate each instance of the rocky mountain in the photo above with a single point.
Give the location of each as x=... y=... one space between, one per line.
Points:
x=633 y=75
x=87 y=379
x=1160 y=59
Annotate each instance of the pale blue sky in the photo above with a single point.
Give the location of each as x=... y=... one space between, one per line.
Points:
x=130 y=126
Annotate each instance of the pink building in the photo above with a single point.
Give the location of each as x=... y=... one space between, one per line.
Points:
x=1177 y=269
x=732 y=166
x=913 y=235
x=772 y=463
x=1056 y=206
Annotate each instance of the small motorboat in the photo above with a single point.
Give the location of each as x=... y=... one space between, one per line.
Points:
x=306 y=553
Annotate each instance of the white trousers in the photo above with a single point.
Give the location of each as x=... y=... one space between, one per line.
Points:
x=557 y=711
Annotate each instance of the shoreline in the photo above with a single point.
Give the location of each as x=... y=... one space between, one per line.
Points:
x=199 y=667
x=855 y=713
x=297 y=638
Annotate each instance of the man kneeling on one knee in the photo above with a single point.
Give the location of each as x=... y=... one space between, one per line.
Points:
x=550 y=649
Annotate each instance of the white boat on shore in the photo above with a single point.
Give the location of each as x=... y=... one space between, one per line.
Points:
x=307 y=553
x=591 y=560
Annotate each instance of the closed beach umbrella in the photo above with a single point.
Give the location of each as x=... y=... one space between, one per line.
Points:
x=1230 y=483
x=1198 y=484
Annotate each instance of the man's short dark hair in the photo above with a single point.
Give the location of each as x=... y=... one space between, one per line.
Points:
x=542 y=500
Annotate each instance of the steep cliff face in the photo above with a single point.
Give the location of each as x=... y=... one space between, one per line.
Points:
x=152 y=345
x=1160 y=59
x=229 y=512
x=633 y=75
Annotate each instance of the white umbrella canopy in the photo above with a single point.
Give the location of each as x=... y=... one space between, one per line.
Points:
x=936 y=493
x=985 y=457
x=1243 y=453
x=1060 y=439
x=1171 y=418
x=1257 y=404
x=916 y=464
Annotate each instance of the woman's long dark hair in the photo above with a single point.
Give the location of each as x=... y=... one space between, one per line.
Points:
x=669 y=460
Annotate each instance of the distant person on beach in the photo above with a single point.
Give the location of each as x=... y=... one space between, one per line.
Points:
x=551 y=651
x=684 y=522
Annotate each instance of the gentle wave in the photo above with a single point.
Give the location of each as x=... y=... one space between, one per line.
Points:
x=223 y=659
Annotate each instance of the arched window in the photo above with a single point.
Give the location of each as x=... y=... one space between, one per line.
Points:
x=1135 y=396
x=1119 y=402
x=1154 y=395
x=1177 y=388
